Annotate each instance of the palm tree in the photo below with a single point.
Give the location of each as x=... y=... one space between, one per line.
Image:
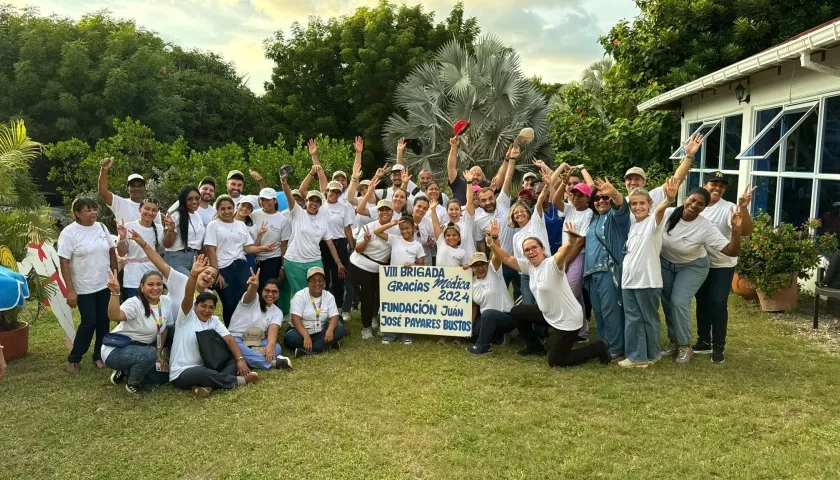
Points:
x=592 y=79
x=485 y=88
x=24 y=216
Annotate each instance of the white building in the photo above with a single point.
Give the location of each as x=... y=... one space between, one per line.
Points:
x=782 y=136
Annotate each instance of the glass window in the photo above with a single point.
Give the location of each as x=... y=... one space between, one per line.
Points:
x=704 y=129
x=694 y=181
x=731 y=193
x=828 y=208
x=831 y=137
x=796 y=200
x=732 y=127
x=801 y=145
x=771 y=137
x=764 y=197
x=712 y=151
x=762 y=120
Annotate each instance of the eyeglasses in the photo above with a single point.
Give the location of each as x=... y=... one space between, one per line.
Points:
x=603 y=198
x=317 y=281
x=314 y=200
x=271 y=292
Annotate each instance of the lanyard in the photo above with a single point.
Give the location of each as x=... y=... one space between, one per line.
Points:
x=158 y=319
x=316 y=307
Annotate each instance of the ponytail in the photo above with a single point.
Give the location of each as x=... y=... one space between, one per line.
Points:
x=674 y=219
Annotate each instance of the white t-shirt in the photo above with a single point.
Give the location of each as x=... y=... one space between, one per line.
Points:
x=185 y=353
x=176 y=282
x=377 y=249
x=249 y=315
x=554 y=296
x=580 y=219
x=301 y=306
x=426 y=231
x=534 y=228
x=490 y=292
x=440 y=210
x=339 y=215
x=195 y=230
x=403 y=252
x=482 y=221
x=641 y=268
x=206 y=214
x=89 y=252
x=466 y=224
x=719 y=215
x=689 y=241
x=448 y=256
x=277 y=225
x=125 y=209
x=307 y=233
x=138 y=326
x=229 y=240
x=137 y=263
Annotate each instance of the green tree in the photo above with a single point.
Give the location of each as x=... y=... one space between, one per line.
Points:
x=338 y=77
x=486 y=88
x=24 y=217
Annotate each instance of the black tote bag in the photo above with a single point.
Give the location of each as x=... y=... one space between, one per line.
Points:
x=214 y=351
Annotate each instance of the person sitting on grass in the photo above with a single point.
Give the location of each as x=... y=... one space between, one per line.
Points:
x=314 y=316
x=186 y=368
x=256 y=324
x=142 y=318
x=556 y=304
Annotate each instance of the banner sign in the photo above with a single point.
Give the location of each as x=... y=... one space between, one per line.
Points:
x=425 y=300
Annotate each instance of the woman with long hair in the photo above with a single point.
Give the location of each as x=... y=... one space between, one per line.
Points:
x=137 y=263
x=684 y=263
x=86 y=255
x=227 y=241
x=423 y=230
x=184 y=234
x=142 y=318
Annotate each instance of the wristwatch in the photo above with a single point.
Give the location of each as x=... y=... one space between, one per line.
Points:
x=240 y=358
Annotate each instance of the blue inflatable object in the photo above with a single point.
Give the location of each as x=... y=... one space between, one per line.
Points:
x=282 y=203
x=14 y=290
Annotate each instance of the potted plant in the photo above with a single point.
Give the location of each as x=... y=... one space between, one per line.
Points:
x=24 y=219
x=774 y=257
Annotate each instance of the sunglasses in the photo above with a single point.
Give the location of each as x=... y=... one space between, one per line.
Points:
x=603 y=198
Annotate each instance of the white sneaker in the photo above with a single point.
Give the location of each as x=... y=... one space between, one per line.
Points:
x=374 y=324
x=367 y=334
x=345 y=316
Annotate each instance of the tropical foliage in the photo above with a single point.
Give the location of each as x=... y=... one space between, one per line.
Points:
x=24 y=217
x=483 y=85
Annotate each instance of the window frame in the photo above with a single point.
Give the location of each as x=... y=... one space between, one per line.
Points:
x=679 y=153
x=807 y=108
x=702 y=168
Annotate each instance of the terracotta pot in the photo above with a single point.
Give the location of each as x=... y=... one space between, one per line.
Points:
x=743 y=288
x=784 y=300
x=15 y=343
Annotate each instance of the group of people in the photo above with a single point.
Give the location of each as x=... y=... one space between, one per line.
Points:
x=565 y=240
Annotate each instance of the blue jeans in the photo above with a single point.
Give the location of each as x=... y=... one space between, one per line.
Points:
x=492 y=322
x=712 y=306
x=642 y=331
x=680 y=282
x=512 y=276
x=294 y=339
x=180 y=261
x=255 y=359
x=524 y=287
x=93 y=309
x=236 y=278
x=606 y=303
x=139 y=361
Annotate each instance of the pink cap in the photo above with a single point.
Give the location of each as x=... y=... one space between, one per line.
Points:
x=476 y=188
x=583 y=188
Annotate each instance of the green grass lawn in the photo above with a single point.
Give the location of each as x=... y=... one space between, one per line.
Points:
x=430 y=411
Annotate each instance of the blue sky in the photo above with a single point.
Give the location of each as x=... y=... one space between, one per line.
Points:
x=556 y=39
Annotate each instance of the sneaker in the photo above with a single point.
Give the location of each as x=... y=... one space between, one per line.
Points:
x=283 y=363
x=702 y=348
x=717 y=355
x=202 y=392
x=299 y=352
x=367 y=334
x=529 y=351
x=671 y=349
x=603 y=349
x=345 y=316
x=441 y=340
x=684 y=354
x=457 y=341
x=651 y=362
x=72 y=367
x=477 y=351
x=407 y=341
x=335 y=345
x=386 y=341
x=117 y=377
x=374 y=324
x=252 y=377
x=627 y=363
x=133 y=389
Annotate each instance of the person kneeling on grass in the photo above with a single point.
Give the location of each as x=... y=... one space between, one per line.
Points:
x=256 y=324
x=143 y=319
x=187 y=370
x=314 y=317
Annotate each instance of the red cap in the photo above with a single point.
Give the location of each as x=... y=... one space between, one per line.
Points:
x=461 y=127
x=583 y=188
x=526 y=193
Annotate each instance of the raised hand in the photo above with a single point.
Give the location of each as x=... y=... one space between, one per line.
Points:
x=454 y=141
x=405 y=177
x=199 y=264
x=255 y=175
x=379 y=173
x=495 y=228
x=539 y=163
x=513 y=151
x=313 y=147
x=121 y=229
x=133 y=235
x=572 y=231
x=263 y=229
x=671 y=187
x=113 y=282
x=254 y=279
x=468 y=176
x=735 y=218
x=367 y=235
x=401 y=145
x=283 y=173
x=315 y=169
x=373 y=183
x=169 y=222
x=744 y=200
x=358 y=145
x=106 y=163
x=432 y=206
x=693 y=145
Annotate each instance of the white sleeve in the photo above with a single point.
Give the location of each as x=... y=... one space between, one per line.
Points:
x=504 y=200
x=66 y=243
x=210 y=234
x=219 y=327
x=133 y=309
x=176 y=282
x=392 y=240
x=297 y=306
x=349 y=216
x=524 y=266
x=249 y=239
x=276 y=316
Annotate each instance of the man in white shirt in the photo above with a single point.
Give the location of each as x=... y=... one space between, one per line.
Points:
x=236 y=182
x=125 y=209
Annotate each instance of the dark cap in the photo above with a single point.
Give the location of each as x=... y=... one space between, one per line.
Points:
x=414 y=145
x=718 y=177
